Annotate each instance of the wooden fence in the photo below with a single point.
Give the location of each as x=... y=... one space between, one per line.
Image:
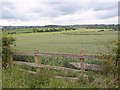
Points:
x=80 y=65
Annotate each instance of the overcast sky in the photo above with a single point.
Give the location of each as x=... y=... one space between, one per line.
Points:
x=59 y=12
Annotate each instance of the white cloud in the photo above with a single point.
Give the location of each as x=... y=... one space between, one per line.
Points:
x=39 y=12
x=62 y=0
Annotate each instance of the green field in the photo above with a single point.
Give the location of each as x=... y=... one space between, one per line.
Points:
x=93 y=41
x=63 y=43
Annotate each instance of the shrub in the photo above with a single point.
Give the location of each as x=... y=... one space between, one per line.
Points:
x=100 y=30
x=43 y=78
x=112 y=60
x=7 y=50
x=66 y=64
x=24 y=58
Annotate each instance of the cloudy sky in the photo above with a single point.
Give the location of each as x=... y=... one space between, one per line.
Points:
x=59 y=12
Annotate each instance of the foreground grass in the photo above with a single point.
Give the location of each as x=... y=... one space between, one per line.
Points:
x=13 y=78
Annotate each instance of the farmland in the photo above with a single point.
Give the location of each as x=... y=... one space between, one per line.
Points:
x=61 y=42
x=92 y=41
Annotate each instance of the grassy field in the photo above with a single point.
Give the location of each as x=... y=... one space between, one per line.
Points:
x=63 y=43
x=84 y=31
x=90 y=40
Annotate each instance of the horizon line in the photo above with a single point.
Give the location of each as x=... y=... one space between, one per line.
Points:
x=58 y=25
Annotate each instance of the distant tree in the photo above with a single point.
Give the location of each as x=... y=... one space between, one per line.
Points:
x=34 y=30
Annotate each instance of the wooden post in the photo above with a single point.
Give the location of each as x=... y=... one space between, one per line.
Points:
x=82 y=61
x=37 y=61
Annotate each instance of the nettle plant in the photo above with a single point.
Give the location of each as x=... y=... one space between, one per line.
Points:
x=7 y=51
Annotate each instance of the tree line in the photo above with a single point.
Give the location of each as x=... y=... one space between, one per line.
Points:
x=37 y=30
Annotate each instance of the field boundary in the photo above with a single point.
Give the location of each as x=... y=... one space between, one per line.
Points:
x=80 y=66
